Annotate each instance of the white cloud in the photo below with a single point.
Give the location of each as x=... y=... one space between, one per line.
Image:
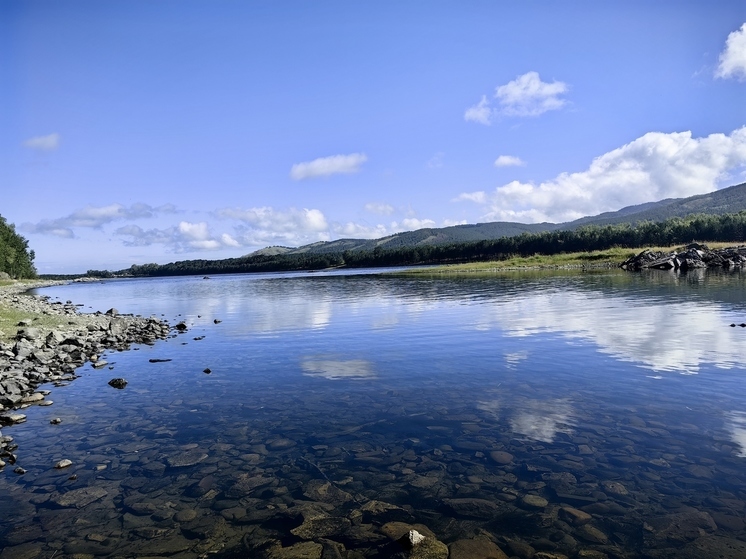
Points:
x=268 y=226
x=479 y=197
x=185 y=237
x=357 y=231
x=436 y=161
x=509 y=161
x=452 y=222
x=379 y=208
x=412 y=223
x=96 y=217
x=481 y=112
x=43 y=143
x=327 y=166
x=227 y=240
x=526 y=95
x=732 y=61
x=653 y=167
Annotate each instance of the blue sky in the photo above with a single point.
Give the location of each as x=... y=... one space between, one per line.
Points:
x=144 y=131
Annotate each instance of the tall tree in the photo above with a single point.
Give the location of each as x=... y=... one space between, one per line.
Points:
x=16 y=259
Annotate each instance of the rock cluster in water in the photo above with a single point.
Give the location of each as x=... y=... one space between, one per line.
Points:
x=693 y=256
x=39 y=355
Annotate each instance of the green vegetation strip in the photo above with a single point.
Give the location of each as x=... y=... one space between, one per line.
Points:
x=597 y=259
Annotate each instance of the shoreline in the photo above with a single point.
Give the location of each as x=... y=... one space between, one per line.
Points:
x=51 y=342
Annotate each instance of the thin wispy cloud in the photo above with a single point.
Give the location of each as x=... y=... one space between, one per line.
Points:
x=653 y=167
x=50 y=142
x=436 y=161
x=509 y=161
x=95 y=217
x=732 y=61
x=379 y=208
x=327 y=166
x=525 y=96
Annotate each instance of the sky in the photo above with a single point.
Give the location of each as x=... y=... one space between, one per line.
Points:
x=152 y=131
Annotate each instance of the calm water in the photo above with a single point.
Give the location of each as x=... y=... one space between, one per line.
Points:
x=492 y=406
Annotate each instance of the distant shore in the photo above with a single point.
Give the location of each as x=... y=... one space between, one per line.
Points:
x=592 y=260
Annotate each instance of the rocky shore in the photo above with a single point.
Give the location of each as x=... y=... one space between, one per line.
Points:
x=692 y=257
x=51 y=344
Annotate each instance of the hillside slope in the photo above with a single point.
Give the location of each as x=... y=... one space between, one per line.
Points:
x=726 y=200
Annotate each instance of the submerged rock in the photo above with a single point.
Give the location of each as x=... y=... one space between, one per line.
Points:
x=117 y=383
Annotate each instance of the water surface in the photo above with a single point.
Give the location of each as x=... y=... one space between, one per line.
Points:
x=451 y=400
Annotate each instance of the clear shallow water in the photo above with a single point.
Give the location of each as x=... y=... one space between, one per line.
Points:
x=619 y=394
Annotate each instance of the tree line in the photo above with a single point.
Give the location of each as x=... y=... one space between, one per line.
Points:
x=16 y=260
x=677 y=230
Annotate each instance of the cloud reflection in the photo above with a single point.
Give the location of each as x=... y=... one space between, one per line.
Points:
x=538 y=420
x=652 y=333
x=334 y=369
x=736 y=422
x=542 y=420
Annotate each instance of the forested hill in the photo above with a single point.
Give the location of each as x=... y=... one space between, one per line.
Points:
x=728 y=228
x=16 y=259
x=726 y=200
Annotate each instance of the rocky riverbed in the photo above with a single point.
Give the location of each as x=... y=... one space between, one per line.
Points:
x=50 y=344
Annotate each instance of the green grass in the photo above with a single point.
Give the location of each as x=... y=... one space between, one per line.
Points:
x=594 y=259
x=10 y=316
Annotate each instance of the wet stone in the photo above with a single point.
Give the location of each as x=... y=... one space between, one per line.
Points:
x=477 y=548
x=23 y=551
x=188 y=458
x=79 y=498
x=574 y=516
x=473 y=508
x=501 y=457
x=321 y=527
x=592 y=534
x=185 y=515
x=534 y=502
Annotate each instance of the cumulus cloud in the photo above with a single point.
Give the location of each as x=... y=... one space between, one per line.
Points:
x=653 y=167
x=452 y=222
x=481 y=112
x=49 y=142
x=327 y=166
x=184 y=237
x=269 y=226
x=509 y=161
x=354 y=230
x=525 y=96
x=732 y=61
x=478 y=197
x=413 y=223
x=95 y=217
x=379 y=208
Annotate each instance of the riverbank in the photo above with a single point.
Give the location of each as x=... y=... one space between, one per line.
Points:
x=47 y=342
x=591 y=260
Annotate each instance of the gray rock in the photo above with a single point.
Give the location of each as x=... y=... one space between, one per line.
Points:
x=79 y=498
x=118 y=383
x=188 y=458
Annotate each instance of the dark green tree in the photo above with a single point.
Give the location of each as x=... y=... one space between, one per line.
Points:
x=16 y=259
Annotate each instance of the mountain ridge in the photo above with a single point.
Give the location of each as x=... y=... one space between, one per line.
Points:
x=731 y=199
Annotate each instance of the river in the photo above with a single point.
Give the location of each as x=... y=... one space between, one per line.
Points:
x=587 y=414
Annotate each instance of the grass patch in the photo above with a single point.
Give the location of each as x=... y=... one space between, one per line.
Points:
x=596 y=259
x=11 y=316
